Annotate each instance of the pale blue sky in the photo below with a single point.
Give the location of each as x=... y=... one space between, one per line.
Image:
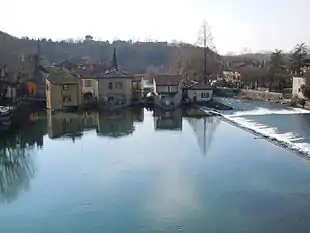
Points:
x=235 y=24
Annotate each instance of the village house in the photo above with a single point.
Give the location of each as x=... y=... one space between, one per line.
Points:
x=198 y=92
x=298 y=84
x=137 y=87
x=62 y=89
x=109 y=86
x=89 y=81
x=168 y=89
x=115 y=88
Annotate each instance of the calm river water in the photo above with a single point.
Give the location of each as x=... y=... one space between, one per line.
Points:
x=134 y=172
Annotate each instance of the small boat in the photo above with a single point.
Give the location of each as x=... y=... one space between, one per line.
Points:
x=5 y=115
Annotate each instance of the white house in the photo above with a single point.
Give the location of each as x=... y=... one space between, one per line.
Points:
x=198 y=92
x=298 y=82
x=168 y=89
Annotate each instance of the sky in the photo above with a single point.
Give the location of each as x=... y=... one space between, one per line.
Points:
x=262 y=25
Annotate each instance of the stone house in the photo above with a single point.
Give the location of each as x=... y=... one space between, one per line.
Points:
x=298 y=83
x=115 y=88
x=168 y=89
x=62 y=89
x=198 y=92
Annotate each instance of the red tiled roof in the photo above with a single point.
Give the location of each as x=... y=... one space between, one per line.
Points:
x=167 y=79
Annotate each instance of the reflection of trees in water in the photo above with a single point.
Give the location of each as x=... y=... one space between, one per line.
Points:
x=16 y=167
x=204 y=129
x=16 y=159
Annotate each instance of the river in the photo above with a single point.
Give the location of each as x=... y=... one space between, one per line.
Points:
x=133 y=171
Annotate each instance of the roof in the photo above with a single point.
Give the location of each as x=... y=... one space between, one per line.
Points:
x=167 y=79
x=199 y=86
x=98 y=71
x=115 y=73
x=69 y=64
x=61 y=76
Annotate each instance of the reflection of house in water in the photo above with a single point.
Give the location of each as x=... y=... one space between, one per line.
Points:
x=138 y=114
x=64 y=124
x=171 y=120
x=204 y=130
x=115 y=123
x=119 y=122
x=90 y=120
x=35 y=129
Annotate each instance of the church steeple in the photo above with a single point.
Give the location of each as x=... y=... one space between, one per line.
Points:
x=114 y=60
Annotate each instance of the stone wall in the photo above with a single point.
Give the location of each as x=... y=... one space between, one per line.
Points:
x=261 y=95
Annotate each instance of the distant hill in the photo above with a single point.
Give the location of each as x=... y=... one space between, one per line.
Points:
x=138 y=57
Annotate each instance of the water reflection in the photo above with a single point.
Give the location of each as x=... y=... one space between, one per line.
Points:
x=171 y=120
x=67 y=124
x=204 y=129
x=115 y=124
x=16 y=157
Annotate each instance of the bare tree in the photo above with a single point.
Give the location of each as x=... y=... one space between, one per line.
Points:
x=297 y=58
x=276 y=67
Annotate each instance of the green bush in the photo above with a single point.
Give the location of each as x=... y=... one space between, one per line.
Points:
x=302 y=102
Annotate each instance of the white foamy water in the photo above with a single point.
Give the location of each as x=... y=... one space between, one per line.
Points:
x=266 y=111
x=288 y=139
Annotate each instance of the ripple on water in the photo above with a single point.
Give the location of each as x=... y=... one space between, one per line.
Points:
x=282 y=210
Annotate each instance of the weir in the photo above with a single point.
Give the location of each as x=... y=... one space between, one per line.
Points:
x=286 y=139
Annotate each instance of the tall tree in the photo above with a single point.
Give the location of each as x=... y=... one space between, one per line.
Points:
x=297 y=57
x=276 y=67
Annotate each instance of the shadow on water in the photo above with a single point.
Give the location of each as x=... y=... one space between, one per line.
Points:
x=17 y=157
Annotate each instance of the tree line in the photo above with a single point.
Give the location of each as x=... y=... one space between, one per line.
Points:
x=135 y=57
x=273 y=70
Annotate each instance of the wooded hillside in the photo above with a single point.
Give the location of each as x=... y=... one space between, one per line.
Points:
x=138 y=57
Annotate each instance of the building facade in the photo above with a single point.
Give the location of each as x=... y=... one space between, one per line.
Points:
x=115 y=88
x=62 y=89
x=198 y=92
x=298 y=83
x=168 y=89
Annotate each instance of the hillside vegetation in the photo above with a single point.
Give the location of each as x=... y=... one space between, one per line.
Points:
x=138 y=57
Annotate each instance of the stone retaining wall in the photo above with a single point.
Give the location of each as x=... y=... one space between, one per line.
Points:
x=262 y=95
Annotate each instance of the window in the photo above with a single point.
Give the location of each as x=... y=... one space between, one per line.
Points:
x=65 y=87
x=66 y=98
x=298 y=89
x=205 y=95
x=119 y=85
x=88 y=83
x=110 y=85
x=47 y=87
